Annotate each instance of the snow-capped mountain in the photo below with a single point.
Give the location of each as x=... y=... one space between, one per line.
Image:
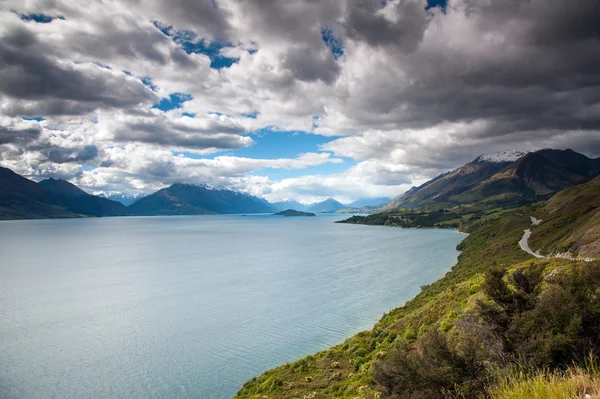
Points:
x=502 y=157
x=506 y=177
x=125 y=199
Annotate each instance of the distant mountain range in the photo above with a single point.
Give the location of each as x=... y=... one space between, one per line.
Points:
x=189 y=199
x=291 y=204
x=510 y=177
x=328 y=206
x=21 y=198
x=124 y=199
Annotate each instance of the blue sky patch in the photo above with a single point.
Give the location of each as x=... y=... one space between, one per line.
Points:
x=34 y=118
x=39 y=18
x=147 y=81
x=437 y=3
x=334 y=44
x=192 y=44
x=211 y=50
x=271 y=144
x=174 y=101
x=251 y=115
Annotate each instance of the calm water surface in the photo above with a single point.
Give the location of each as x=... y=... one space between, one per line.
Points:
x=191 y=307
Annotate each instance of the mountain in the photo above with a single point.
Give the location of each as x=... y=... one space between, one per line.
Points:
x=189 y=199
x=374 y=202
x=500 y=178
x=78 y=201
x=62 y=187
x=124 y=199
x=451 y=339
x=290 y=204
x=21 y=198
x=573 y=161
x=531 y=176
x=328 y=206
x=444 y=187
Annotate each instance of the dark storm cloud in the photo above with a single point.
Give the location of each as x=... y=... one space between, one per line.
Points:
x=535 y=65
x=300 y=25
x=157 y=128
x=200 y=16
x=364 y=21
x=10 y=134
x=306 y=64
x=41 y=84
x=65 y=155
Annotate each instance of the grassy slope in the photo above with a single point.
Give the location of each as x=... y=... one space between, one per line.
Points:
x=571 y=222
x=573 y=383
x=343 y=371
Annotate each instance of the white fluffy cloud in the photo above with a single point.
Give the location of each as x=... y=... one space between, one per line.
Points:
x=406 y=92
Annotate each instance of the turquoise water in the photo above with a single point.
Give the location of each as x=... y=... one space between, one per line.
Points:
x=192 y=307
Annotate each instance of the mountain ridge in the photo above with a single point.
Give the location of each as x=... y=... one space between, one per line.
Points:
x=495 y=309
x=190 y=199
x=330 y=205
x=530 y=177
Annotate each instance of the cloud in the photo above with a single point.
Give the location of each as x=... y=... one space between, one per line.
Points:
x=143 y=168
x=206 y=134
x=407 y=92
x=33 y=83
x=399 y=24
x=17 y=130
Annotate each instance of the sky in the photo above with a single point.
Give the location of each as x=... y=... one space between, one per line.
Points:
x=290 y=99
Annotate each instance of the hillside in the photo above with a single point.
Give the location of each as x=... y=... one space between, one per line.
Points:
x=21 y=198
x=78 y=201
x=442 y=189
x=500 y=180
x=530 y=177
x=571 y=222
x=371 y=202
x=328 y=206
x=188 y=199
x=493 y=309
x=61 y=186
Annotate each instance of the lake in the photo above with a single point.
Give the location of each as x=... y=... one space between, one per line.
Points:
x=193 y=306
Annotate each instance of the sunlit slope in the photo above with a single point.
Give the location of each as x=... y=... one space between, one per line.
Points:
x=571 y=222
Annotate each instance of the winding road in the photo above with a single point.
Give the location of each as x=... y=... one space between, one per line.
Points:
x=523 y=243
x=524 y=240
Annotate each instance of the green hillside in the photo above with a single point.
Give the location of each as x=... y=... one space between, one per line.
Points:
x=494 y=310
x=571 y=222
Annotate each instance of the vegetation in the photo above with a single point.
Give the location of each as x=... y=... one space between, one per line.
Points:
x=496 y=310
x=575 y=382
x=457 y=217
x=518 y=322
x=293 y=212
x=345 y=371
x=571 y=222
